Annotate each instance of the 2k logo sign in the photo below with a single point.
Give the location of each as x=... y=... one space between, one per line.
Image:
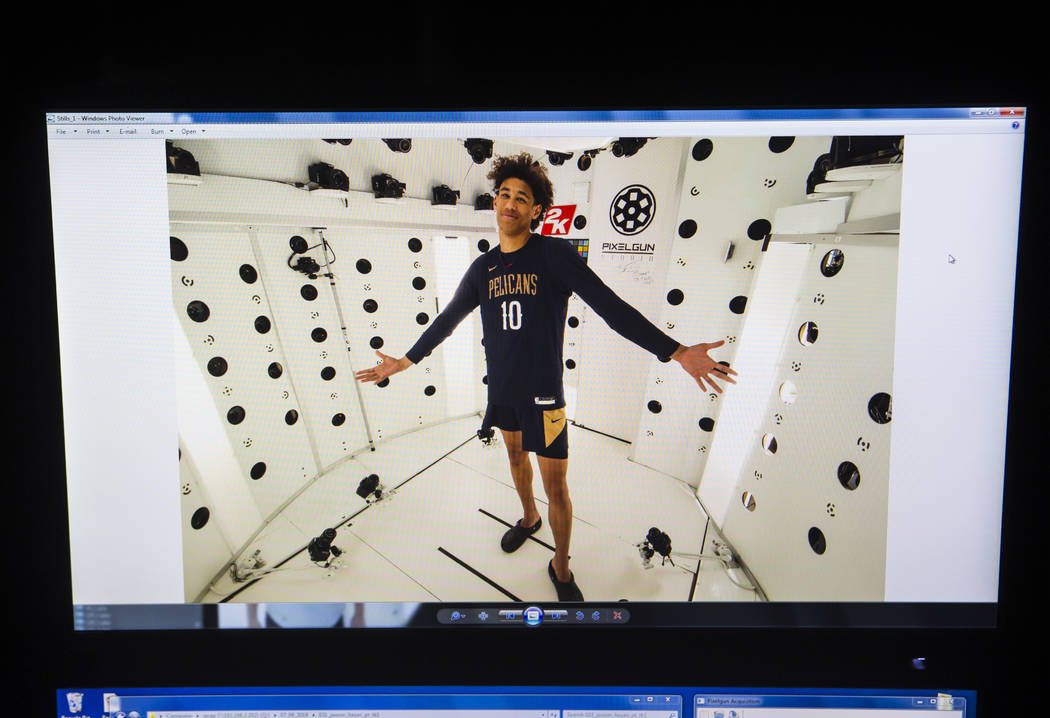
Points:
x=557 y=220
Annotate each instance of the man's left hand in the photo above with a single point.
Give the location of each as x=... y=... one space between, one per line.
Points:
x=701 y=367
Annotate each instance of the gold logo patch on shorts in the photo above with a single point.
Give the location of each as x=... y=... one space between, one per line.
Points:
x=553 y=424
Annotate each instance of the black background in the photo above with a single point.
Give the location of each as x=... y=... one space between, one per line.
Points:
x=332 y=57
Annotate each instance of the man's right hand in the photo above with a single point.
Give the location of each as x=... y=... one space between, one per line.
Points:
x=388 y=367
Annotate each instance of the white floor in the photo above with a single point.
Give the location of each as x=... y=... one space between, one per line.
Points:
x=391 y=550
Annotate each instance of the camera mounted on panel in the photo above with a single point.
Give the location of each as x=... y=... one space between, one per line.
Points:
x=320 y=547
x=306 y=265
x=179 y=161
x=656 y=542
x=372 y=491
x=487 y=435
x=557 y=159
x=325 y=176
x=479 y=149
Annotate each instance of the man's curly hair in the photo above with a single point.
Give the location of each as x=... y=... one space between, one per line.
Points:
x=530 y=171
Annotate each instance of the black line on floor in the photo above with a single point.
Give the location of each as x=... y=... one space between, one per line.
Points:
x=510 y=526
x=482 y=576
x=692 y=588
x=595 y=431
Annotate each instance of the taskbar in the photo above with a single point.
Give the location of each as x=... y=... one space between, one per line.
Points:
x=118 y=617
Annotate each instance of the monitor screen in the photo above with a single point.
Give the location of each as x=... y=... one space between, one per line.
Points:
x=535 y=368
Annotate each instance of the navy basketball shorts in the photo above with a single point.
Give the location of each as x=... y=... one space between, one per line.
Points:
x=542 y=426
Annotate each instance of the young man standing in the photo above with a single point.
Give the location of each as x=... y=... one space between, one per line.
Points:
x=523 y=288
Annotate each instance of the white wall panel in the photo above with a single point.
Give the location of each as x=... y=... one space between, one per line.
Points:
x=611 y=367
x=204 y=550
x=804 y=488
x=236 y=359
x=416 y=396
x=730 y=191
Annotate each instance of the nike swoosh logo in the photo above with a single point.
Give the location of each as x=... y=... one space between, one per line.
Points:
x=555 y=421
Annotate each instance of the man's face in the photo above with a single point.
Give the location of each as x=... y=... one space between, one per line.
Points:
x=514 y=207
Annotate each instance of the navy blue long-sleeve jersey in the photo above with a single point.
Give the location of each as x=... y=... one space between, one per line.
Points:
x=524 y=297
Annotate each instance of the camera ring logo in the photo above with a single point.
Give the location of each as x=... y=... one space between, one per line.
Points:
x=632 y=209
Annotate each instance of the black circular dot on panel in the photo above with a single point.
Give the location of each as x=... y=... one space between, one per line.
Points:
x=422 y=318
x=418 y=283
x=200 y=518
x=248 y=273
x=338 y=419
x=702 y=150
x=257 y=471
x=376 y=342
x=687 y=229
x=328 y=373
x=179 y=252
x=769 y=443
x=707 y=424
x=262 y=324
x=217 y=366
x=759 y=229
x=574 y=322
x=309 y=292
x=291 y=417
x=580 y=222
x=483 y=245
x=485 y=379
x=570 y=364
x=319 y=335
x=737 y=304
x=415 y=244
x=584 y=163
x=807 y=334
x=849 y=475
x=832 y=262
x=483 y=341
x=654 y=406
x=235 y=415
x=880 y=408
x=198 y=311
x=274 y=370
x=817 y=542
x=363 y=266
x=384 y=383
x=430 y=390
x=370 y=305
x=675 y=297
x=298 y=244
x=780 y=144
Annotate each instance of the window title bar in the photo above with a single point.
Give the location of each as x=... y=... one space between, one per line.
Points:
x=235 y=118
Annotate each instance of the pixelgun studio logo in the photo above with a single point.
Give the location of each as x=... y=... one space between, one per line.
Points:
x=632 y=209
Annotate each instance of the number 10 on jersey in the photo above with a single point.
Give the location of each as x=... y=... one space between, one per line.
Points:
x=512 y=311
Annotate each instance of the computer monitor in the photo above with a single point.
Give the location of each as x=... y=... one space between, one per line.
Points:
x=242 y=658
